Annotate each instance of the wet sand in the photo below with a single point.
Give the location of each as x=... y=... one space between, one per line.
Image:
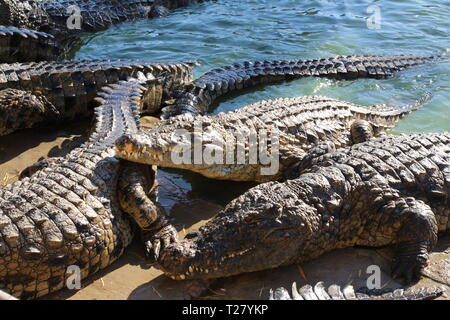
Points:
x=131 y=277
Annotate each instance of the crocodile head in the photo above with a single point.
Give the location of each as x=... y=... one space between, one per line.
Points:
x=254 y=232
x=196 y=144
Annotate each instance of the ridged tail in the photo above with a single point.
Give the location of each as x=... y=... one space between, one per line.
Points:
x=334 y=292
x=384 y=117
x=197 y=97
x=25 y=33
x=26 y=45
x=118 y=112
x=119 y=108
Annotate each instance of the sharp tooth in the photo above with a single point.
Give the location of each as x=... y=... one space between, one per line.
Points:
x=191 y=269
x=206 y=271
x=182 y=277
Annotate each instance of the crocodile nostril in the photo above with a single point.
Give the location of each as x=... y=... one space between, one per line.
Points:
x=126 y=144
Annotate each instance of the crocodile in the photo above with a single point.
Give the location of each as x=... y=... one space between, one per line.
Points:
x=197 y=97
x=39 y=93
x=75 y=211
x=334 y=292
x=393 y=190
x=24 y=45
x=291 y=127
x=64 y=17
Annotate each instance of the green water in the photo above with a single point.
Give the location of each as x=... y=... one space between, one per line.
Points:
x=225 y=31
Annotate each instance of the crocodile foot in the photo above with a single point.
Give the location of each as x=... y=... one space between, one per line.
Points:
x=409 y=268
x=159 y=241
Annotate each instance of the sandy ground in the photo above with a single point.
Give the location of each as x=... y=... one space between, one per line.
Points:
x=131 y=277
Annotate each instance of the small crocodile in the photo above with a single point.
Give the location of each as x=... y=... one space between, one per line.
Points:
x=198 y=96
x=38 y=93
x=72 y=212
x=393 y=190
x=334 y=292
x=289 y=127
x=23 y=45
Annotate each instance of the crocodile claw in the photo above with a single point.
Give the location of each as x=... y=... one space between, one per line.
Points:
x=159 y=241
x=408 y=268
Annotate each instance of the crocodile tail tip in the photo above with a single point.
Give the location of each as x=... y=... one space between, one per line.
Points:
x=424 y=99
x=193 y=63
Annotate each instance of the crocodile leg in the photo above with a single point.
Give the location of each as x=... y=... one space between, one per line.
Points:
x=22 y=109
x=320 y=149
x=135 y=184
x=416 y=237
x=360 y=131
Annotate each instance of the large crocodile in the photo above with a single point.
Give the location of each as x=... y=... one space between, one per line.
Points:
x=36 y=93
x=286 y=129
x=393 y=190
x=71 y=213
x=334 y=292
x=198 y=96
x=23 y=45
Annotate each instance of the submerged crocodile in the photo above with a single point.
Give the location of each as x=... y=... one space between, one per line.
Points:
x=334 y=292
x=23 y=45
x=198 y=96
x=289 y=127
x=45 y=92
x=62 y=16
x=393 y=190
x=73 y=211
x=65 y=20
